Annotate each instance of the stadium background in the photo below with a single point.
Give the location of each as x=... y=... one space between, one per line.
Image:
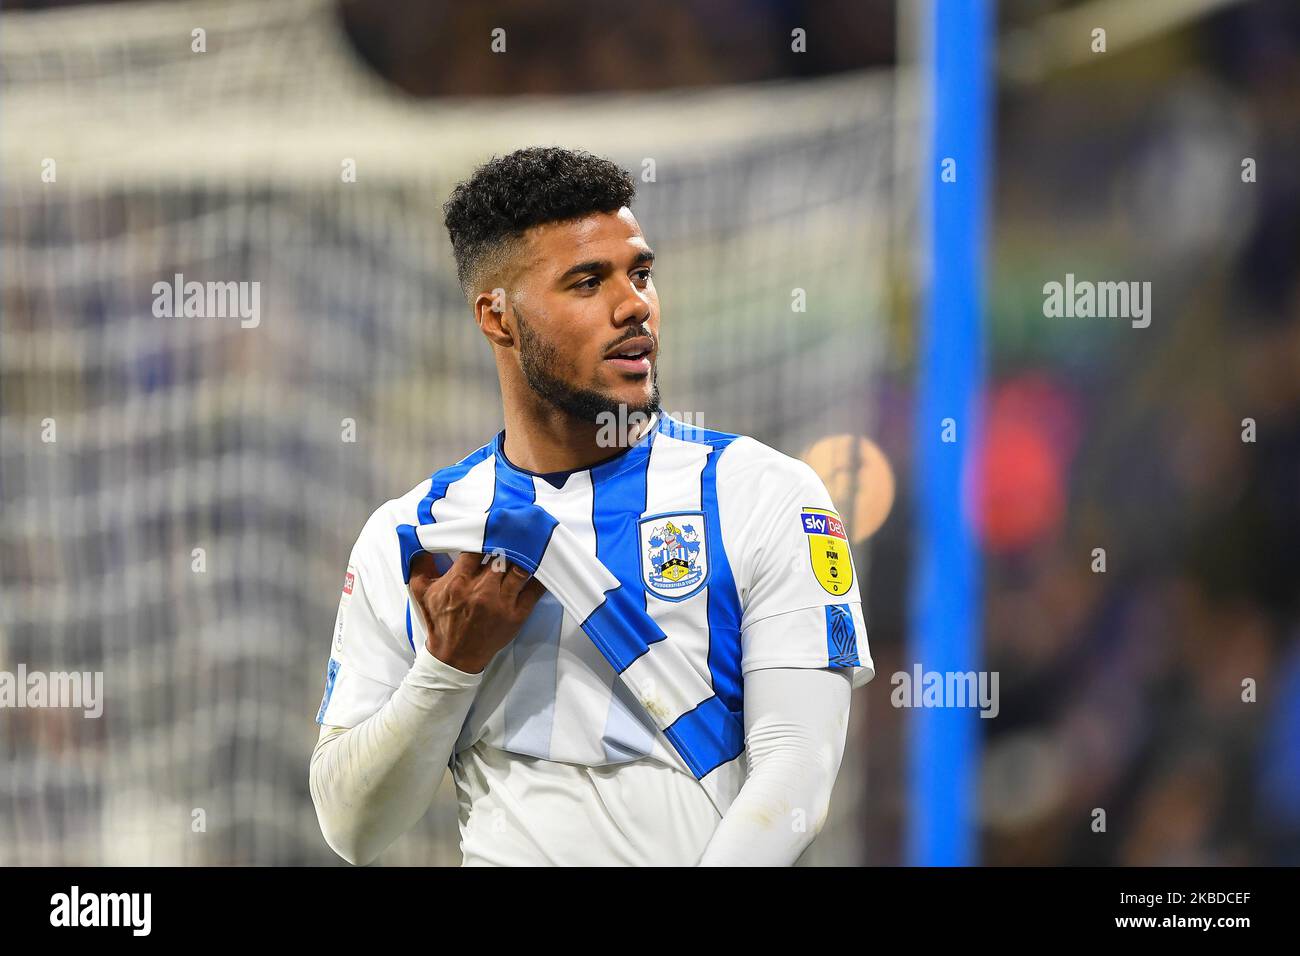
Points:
x=772 y=171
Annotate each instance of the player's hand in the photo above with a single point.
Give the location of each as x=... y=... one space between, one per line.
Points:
x=473 y=610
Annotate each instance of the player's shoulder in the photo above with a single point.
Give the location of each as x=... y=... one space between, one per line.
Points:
x=407 y=508
x=736 y=449
x=761 y=468
x=753 y=470
x=397 y=511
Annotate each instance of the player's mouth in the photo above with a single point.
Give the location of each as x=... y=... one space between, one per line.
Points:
x=632 y=355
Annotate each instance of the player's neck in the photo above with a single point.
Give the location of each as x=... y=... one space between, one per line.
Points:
x=547 y=441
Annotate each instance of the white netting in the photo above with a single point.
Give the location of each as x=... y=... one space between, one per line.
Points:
x=177 y=434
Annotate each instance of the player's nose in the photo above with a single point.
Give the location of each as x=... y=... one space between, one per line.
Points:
x=633 y=308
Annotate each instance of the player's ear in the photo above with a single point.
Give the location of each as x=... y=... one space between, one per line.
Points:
x=490 y=310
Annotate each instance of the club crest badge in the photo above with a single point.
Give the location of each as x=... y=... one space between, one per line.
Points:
x=828 y=546
x=674 y=554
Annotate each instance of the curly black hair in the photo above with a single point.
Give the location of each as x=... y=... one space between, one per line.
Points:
x=487 y=214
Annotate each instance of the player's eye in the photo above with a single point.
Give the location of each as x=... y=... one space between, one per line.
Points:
x=645 y=274
x=584 y=283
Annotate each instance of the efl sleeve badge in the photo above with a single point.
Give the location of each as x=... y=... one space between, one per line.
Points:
x=828 y=546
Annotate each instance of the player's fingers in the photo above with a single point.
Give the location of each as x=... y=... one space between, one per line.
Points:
x=513 y=581
x=424 y=571
x=461 y=570
x=529 y=595
x=466 y=565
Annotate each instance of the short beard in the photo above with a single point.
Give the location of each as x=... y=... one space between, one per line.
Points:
x=538 y=359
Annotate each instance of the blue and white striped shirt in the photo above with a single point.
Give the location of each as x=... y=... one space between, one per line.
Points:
x=672 y=569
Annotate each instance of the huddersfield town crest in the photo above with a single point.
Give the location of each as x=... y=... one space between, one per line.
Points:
x=674 y=554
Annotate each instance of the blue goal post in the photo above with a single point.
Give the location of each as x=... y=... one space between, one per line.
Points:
x=943 y=743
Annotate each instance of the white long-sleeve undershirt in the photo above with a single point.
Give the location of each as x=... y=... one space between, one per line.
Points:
x=372 y=782
x=796 y=722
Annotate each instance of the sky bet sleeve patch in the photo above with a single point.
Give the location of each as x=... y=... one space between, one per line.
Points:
x=828 y=546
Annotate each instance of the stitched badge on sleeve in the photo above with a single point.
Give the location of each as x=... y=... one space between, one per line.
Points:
x=349 y=581
x=828 y=547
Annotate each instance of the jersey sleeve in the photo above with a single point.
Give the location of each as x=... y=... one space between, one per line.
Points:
x=800 y=600
x=371 y=650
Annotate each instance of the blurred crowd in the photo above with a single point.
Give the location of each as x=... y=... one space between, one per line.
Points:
x=1140 y=501
x=441 y=48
